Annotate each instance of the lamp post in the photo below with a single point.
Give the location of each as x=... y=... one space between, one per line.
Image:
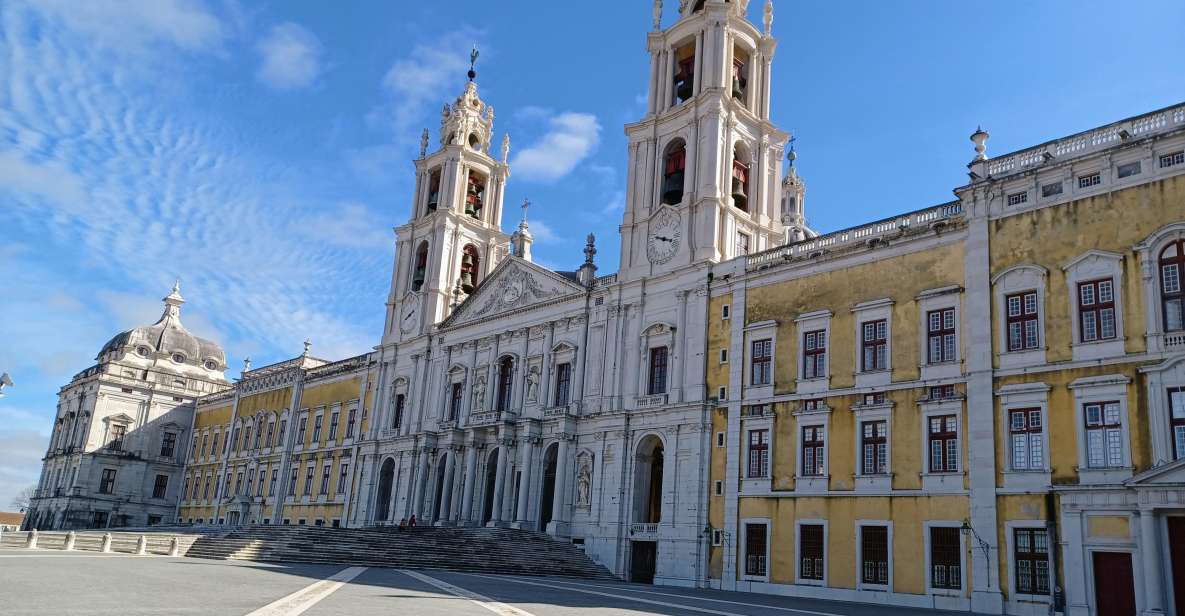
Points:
x=983 y=546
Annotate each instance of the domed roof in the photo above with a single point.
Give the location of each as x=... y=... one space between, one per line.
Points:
x=169 y=337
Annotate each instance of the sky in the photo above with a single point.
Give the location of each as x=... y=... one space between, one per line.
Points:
x=261 y=151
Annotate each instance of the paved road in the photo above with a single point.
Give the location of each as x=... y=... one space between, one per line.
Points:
x=90 y=584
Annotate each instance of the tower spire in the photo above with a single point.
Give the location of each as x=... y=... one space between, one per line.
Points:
x=173 y=302
x=473 y=62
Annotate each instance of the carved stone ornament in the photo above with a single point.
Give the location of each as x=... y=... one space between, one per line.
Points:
x=533 y=384
x=584 y=483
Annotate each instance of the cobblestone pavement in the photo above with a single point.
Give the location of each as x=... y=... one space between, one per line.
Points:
x=89 y=584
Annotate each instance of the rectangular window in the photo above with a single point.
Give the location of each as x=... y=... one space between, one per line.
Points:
x=118 y=432
x=874 y=342
x=946 y=570
x=325 y=478
x=246 y=438
x=271 y=485
x=1104 y=435
x=292 y=483
x=214 y=445
x=206 y=489
x=160 y=486
x=563 y=384
x=874 y=447
x=1051 y=190
x=271 y=433
x=397 y=421
x=758 y=453
x=940 y=335
x=1169 y=160
x=258 y=437
x=1096 y=310
x=813 y=404
x=724 y=356
x=205 y=439
x=168 y=444
x=813 y=451
x=1129 y=169
x=761 y=362
x=333 y=421
x=317 y=421
x=239 y=483
x=1028 y=445
x=350 y=416
x=456 y=397
x=724 y=312
x=874 y=554
x=185 y=493
x=755 y=549
x=942 y=392
x=1022 y=319
x=810 y=544
x=944 y=444
x=280 y=435
x=658 y=371
x=1018 y=198
x=107 y=481
x=742 y=247
x=308 y=480
x=342 y=476
x=1031 y=546
x=259 y=484
x=225 y=444
x=814 y=354
x=1091 y=179
x=301 y=428
x=719 y=487
x=1177 y=420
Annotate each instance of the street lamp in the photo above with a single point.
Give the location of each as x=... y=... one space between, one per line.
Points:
x=983 y=546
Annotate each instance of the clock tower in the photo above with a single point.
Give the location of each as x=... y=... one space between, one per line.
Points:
x=705 y=161
x=454 y=237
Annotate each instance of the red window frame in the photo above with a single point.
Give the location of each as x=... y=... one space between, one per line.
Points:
x=1031 y=556
x=1022 y=315
x=814 y=354
x=814 y=451
x=946 y=566
x=811 y=563
x=1026 y=439
x=940 y=336
x=874 y=447
x=755 y=542
x=874 y=554
x=761 y=362
x=943 y=439
x=1096 y=310
x=758 y=454
x=1177 y=421
x=874 y=345
x=1172 y=295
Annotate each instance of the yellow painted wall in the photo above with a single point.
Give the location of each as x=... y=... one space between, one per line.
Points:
x=213 y=416
x=275 y=400
x=716 y=503
x=323 y=397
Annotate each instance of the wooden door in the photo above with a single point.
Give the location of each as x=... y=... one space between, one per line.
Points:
x=1177 y=553
x=642 y=561
x=1114 y=585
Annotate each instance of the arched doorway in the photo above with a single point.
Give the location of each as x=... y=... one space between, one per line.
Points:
x=441 y=467
x=487 y=509
x=648 y=481
x=548 y=493
x=382 y=507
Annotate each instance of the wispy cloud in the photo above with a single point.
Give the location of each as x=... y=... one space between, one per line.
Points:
x=290 y=57
x=136 y=25
x=571 y=137
x=542 y=232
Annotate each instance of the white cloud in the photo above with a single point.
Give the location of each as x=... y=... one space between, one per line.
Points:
x=350 y=225
x=134 y=25
x=290 y=57
x=542 y=232
x=20 y=460
x=50 y=179
x=571 y=138
x=431 y=73
x=616 y=203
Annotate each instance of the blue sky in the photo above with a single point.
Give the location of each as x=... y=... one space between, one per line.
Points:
x=261 y=151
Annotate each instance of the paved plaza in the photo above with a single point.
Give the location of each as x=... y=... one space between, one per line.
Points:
x=35 y=583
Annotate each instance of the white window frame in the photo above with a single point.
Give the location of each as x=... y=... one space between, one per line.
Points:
x=941 y=298
x=717 y=537
x=879 y=482
x=751 y=485
x=1024 y=396
x=860 y=584
x=720 y=440
x=809 y=322
x=762 y=330
x=798 y=579
x=943 y=482
x=744 y=547
x=725 y=312
x=723 y=354
x=1149 y=252
x=1095 y=265
x=876 y=310
x=1107 y=388
x=929 y=573
x=1160 y=378
x=1018 y=279
x=1015 y=598
x=812 y=484
x=718 y=487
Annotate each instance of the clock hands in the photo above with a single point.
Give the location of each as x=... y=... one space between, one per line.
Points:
x=409 y=315
x=663 y=238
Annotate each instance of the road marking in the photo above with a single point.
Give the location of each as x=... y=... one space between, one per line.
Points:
x=305 y=598
x=671 y=594
x=702 y=610
x=482 y=600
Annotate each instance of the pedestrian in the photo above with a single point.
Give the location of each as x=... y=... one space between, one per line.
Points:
x=402 y=523
x=411 y=523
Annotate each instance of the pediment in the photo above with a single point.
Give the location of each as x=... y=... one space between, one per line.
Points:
x=119 y=418
x=515 y=284
x=1165 y=475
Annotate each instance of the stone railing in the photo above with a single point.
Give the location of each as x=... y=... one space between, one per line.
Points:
x=346 y=365
x=1090 y=141
x=569 y=410
x=856 y=235
x=486 y=418
x=607 y=279
x=757 y=410
x=1174 y=341
x=644 y=530
x=650 y=402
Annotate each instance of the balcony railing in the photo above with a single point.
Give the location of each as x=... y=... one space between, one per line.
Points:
x=1174 y=341
x=650 y=402
x=568 y=410
x=488 y=418
x=644 y=530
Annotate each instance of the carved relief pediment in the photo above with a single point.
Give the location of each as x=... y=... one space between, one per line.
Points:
x=515 y=284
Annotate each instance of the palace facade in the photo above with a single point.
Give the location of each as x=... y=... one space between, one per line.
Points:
x=974 y=405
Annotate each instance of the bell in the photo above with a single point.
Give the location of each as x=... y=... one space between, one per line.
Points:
x=738 y=87
x=685 y=86
x=469 y=209
x=739 y=198
x=467 y=282
x=417 y=281
x=672 y=188
x=433 y=201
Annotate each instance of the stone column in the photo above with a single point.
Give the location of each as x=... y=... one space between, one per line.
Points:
x=467 y=484
x=499 y=485
x=524 y=490
x=1150 y=556
x=559 y=513
x=417 y=499
x=446 y=489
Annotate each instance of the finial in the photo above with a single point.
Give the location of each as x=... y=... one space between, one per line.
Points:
x=424 y=143
x=657 y=14
x=473 y=63
x=979 y=138
x=590 y=248
x=526 y=204
x=769 y=17
x=177 y=285
x=792 y=155
x=307 y=345
x=246 y=365
x=505 y=147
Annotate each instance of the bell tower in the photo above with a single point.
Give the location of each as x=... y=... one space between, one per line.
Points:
x=454 y=237
x=705 y=161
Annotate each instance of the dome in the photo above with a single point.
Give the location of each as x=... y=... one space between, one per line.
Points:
x=168 y=338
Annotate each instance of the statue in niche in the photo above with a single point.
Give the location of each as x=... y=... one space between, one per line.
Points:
x=533 y=384
x=479 y=392
x=583 y=486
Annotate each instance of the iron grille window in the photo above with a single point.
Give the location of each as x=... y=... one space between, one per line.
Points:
x=168 y=444
x=874 y=341
x=1177 y=420
x=333 y=421
x=160 y=486
x=874 y=447
x=758 y=453
x=1172 y=260
x=456 y=396
x=755 y=549
x=658 y=371
x=1031 y=547
x=342 y=475
x=814 y=354
x=940 y=334
x=1169 y=160
x=946 y=569
x=397 y=422
x=1022 y=319
x=1104 y=435
x=1028 y=444
x=762 y=362
x=1092 y=179
x=813 y=451
x=944 y=444
x=874 y=554
x=810 y=544
x=1096 y=310
x=563 y=384
x=107 y=481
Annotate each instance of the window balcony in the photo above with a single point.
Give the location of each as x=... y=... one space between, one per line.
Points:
x=651 y=402
x=1174 y=341
x=571 y=409
x=488 y=418
x=644 y=531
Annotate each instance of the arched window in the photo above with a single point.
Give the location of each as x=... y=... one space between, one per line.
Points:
x=421 y=269
x=433 y=191
x=474 y=142
x=470 y=268
x=505 y=383
x=684 y=79
x=475 y=195
x=740 y=75
x=1172 y=262
x=740 y=178
x=673 y=172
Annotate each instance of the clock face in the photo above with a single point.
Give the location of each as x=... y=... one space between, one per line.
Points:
x=409 y=318
x=663 y=241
